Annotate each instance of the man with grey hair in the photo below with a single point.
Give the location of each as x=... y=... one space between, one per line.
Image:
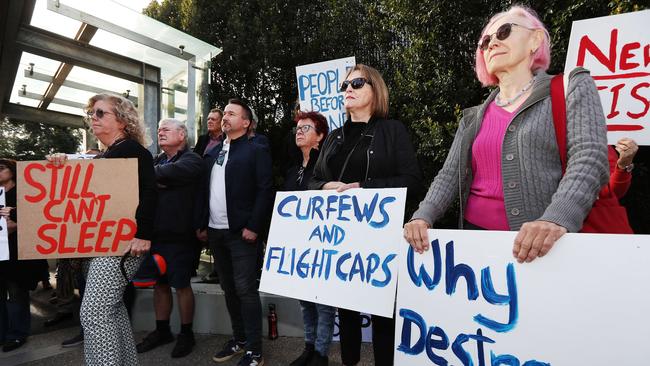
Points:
x=177 y=172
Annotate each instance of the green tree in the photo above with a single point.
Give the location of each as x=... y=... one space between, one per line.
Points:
x=32 y=141
x=424 y=48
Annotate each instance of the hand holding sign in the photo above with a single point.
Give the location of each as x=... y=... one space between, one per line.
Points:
x=535 y=239
x=138 y=247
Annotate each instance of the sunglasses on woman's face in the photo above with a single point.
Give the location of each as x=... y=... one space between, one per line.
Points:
x=99 y=113
x=502 y=33
x=357 y=83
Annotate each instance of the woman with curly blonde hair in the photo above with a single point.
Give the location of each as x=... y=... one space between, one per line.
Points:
x=108 y=339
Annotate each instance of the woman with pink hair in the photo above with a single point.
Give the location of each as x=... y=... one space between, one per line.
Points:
x=504 y=164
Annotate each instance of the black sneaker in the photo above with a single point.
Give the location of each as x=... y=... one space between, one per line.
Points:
x=74 y=341
x=305 y=357
x=251 y=359
x=13 y=344
x=318 y=360
x=184 y=345
x=230 y=349
x=153 y=340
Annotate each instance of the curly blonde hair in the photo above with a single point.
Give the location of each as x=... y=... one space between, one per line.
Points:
x=125 y=112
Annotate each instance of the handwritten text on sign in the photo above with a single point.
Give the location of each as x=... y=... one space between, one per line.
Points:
x=466 y=301
x=616 y=49
x=4 y=233
x=338 y=249
x=85 y=208
x=318 y=89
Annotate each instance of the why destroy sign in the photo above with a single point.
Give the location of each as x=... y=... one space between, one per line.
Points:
x=85 y=208
x=616 y=49
x=338 y=249
x=318 y=89
x=466 y=301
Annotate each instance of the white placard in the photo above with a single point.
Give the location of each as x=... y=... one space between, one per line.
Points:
x=337 y=249
x=585 y=303
x=4 y=233
x=616 y=49
x=318 y=88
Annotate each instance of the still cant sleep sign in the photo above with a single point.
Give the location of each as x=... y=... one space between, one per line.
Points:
x=85 y=208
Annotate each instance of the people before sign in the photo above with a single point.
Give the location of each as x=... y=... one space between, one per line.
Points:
x=17 y=278
x=504 y=164
x=318 y=319
x=214 y=136
x=178 y=170
x=369 y=151
x=108 y=338
x=235 y=205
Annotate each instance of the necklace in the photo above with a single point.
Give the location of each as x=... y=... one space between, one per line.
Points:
x=503 y=103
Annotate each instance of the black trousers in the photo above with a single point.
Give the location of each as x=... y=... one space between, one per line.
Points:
x=383 y=333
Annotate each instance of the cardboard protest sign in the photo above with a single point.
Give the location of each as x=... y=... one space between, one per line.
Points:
x=338 y=249
x=616 y=49
x=318 y=88
x=84 y=209
x=4 y=233
x=467 y=301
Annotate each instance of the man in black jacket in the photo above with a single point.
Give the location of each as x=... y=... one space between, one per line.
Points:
x=238 y=188
x=178 y=170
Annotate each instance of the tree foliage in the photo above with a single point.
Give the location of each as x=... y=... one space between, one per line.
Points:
x=424 y=48
x=32 y=141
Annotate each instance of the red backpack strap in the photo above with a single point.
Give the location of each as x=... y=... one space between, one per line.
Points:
x=558 y=104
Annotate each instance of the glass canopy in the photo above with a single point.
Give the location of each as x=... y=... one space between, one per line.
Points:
x=183 y=60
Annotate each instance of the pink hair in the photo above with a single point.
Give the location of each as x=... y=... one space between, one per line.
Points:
x=541 y=58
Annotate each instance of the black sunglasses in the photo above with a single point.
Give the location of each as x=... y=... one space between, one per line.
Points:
x=356 y=83
x=502 y=33
x=97 y=112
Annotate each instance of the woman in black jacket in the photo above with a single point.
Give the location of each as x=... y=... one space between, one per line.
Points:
x=108 y=338
x=369 y=151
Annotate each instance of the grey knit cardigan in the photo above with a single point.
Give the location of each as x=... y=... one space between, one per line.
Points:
x=531 y=172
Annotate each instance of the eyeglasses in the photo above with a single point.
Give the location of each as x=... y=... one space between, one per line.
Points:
x=502 y=33
x=356 y=83
x=221 y=157
x=304 y=128
x=99 y=113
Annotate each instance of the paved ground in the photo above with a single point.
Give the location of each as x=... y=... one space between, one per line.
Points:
x=43 y=347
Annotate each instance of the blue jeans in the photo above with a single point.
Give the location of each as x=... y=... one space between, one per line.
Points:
x=15 y=315
x=319 y=325
x=237 y=266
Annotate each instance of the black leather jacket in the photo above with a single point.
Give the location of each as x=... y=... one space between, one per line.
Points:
x=391 y=160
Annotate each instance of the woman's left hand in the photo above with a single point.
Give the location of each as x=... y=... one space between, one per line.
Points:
x=535 y=239
x=626 y=148
x=138 y=247
x=347 y=186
